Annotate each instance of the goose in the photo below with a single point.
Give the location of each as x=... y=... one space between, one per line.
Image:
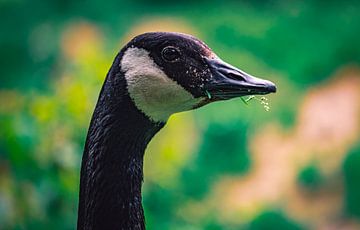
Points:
x=152 y=77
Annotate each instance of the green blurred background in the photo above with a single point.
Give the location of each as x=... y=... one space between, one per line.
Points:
x=225 y=166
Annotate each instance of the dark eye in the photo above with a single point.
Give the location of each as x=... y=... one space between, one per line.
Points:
x=170 y=54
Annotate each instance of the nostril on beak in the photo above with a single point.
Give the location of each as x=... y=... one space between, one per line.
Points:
x=231 y=74
x=235 y=76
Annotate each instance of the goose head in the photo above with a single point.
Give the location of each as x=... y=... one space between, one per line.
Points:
x=167 y=73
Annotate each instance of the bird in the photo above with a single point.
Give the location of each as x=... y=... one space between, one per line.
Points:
x=155 y=75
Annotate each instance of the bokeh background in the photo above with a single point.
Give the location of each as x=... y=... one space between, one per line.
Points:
x=225 y=166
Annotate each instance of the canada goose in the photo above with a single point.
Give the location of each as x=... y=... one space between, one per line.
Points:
x=153 y=76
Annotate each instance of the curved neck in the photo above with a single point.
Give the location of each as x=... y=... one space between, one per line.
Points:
x=112 y=164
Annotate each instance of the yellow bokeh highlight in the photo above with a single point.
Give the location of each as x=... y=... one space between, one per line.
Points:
x=171 y=149
x=43 y=108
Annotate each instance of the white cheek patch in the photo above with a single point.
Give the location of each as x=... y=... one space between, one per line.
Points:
x=154 y=93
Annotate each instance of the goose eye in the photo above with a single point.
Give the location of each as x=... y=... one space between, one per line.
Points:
x=170 y=54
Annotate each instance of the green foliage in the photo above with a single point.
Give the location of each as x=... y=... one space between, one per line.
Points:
x=221 y=143
x=351 y=168
x=310 y=177
x=273 y=220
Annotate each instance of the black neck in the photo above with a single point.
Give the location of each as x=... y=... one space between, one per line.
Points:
x=112 y=164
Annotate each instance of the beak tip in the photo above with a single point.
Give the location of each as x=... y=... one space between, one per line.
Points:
x=271 y=88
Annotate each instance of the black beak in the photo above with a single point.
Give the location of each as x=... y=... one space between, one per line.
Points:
x=229 y=82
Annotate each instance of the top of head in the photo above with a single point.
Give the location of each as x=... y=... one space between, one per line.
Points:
x=164 y=73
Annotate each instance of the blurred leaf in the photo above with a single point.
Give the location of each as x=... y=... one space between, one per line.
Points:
x=351 y=168
x=310 y=177
x=273 y=220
